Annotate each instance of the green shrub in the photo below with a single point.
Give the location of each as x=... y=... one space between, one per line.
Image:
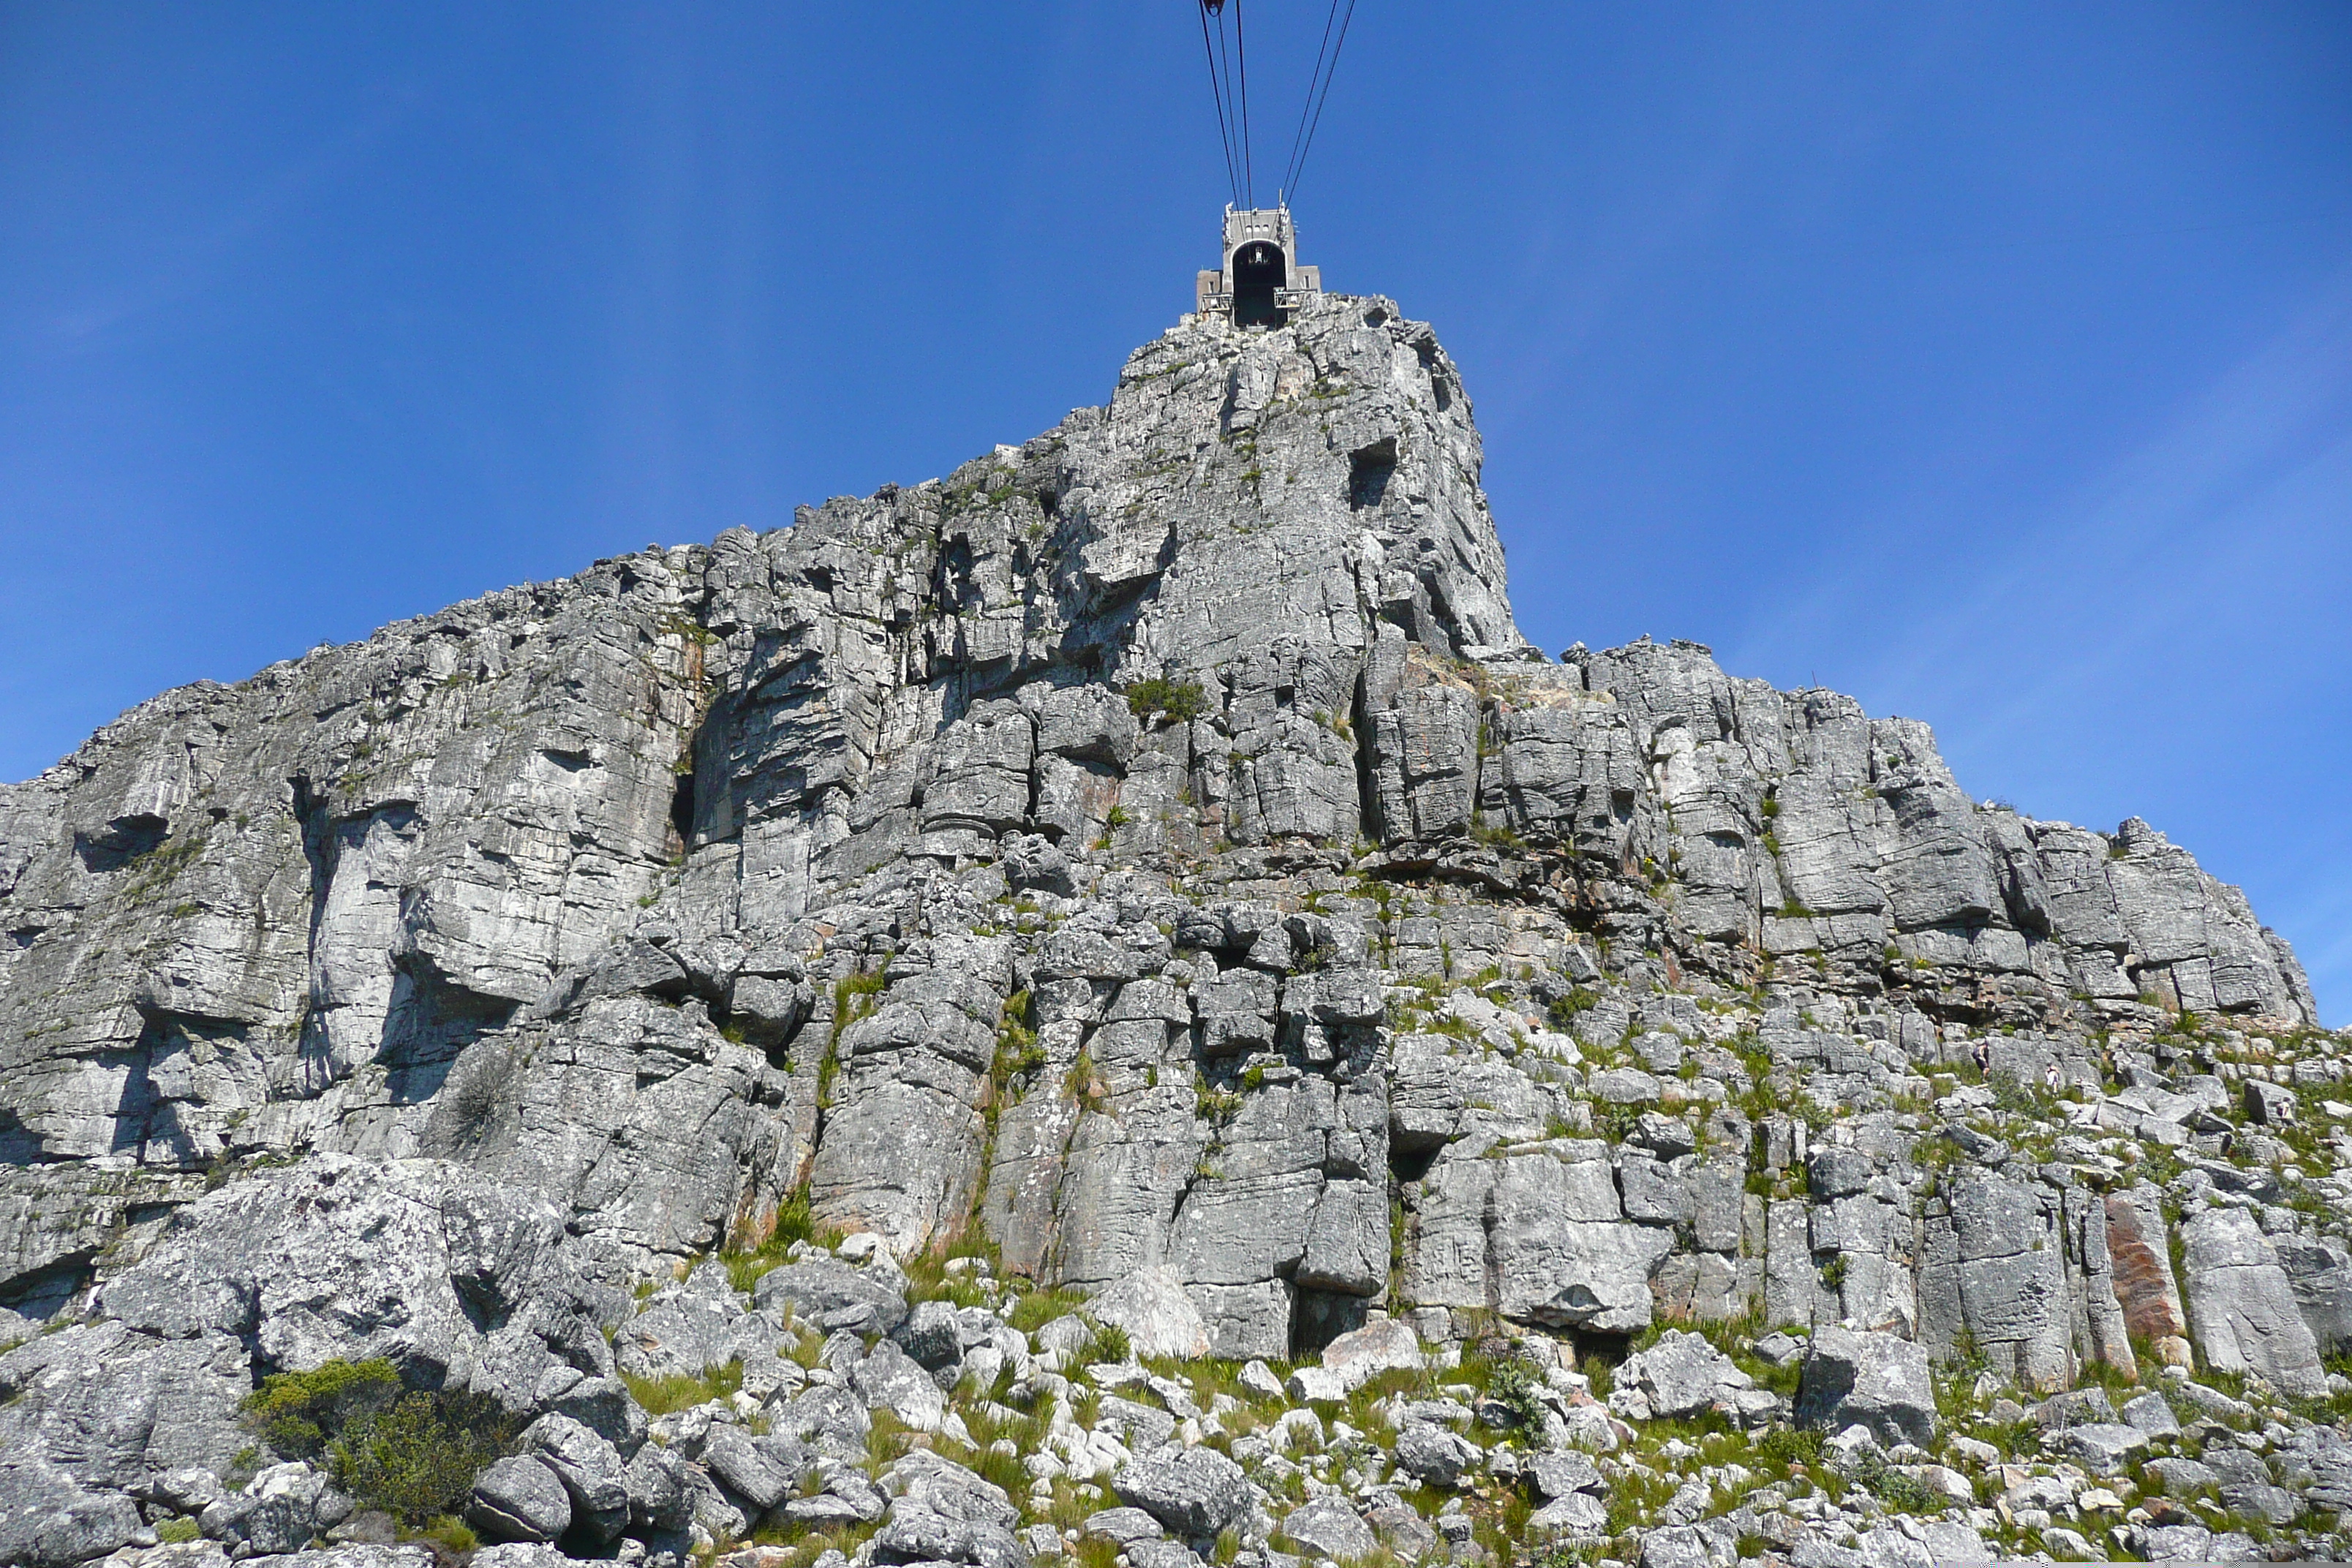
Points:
x=412 y=1453
x=1562 y=1013
x=1785 y=1445
x=1512 y=1383
x=418 y=1459
x=297 y=1412
x=177 y=1531
x=1110 y=1344
x=1178 y=701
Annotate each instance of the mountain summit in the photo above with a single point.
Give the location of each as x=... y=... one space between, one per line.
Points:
x=1150 y=866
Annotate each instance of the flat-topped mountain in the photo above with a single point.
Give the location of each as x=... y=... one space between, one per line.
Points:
x=1146 y=874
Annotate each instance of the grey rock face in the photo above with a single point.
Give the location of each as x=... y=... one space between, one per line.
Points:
x=1155 y=846
x=114 y=1406
x=48 y=1521
x=2242 y=1305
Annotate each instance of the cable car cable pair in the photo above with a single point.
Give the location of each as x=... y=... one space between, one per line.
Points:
x=1229 y=89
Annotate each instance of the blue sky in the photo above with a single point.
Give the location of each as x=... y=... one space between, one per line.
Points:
x=1992 y=362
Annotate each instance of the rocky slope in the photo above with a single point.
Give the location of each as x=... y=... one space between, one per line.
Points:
x=1657 y=1114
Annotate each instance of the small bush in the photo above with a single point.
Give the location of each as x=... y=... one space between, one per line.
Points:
x=1110 y=1344
x=412 y=1453
x=1512 y=1383
x=177 y=1531
x=419 y=1458
x=1785 y=1445
x=1562 y=1013
x=297 y=1412
x=1178 y=701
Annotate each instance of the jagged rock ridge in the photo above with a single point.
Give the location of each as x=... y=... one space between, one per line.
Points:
x=1154 y=848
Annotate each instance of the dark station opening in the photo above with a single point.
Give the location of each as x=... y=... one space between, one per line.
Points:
x=1258 y=270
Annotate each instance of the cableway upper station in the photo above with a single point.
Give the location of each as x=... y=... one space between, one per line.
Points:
x=1261 y=281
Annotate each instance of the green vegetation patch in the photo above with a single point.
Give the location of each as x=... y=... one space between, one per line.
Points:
x=1176 y=702
x=413 y=1453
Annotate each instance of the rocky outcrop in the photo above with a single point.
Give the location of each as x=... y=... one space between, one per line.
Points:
x=1150 y=856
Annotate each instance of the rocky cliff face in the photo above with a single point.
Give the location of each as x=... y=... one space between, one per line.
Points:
x=1152 y=852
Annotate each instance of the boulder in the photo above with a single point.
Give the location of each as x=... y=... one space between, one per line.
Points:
x=685 y=1333
x=1195 y=1492
x=932 y=1336
x=1328 y=1527
x=1401 y=1529
x=659 y=1489
x=2102 y=1447
x=833 y=1295
x=945 y=1513
x=1124 y=1525
x=1576 y=1514
x=1163 y=1554
x=763 y=1471
x=889 y=1379
x=1433 y=1456
x=2150 y=1414
x=2269 y=1104
x=590 y=1468
x=1682 y=1373
x=519 y=1498
x=1318 y=1385
x=279 y=1511
x=1557 y=1476
x=1874 y=1379
x=832 y=1421
x=1385 y=1345
x=1159 y=1318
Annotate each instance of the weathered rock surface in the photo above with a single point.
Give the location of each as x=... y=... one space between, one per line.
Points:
x=1151 y=850
x=1875 y=1380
